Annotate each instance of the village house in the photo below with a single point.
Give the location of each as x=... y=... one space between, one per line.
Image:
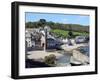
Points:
x=41 y=38
x=28 y=39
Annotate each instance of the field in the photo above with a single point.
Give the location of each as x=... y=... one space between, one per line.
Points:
x=64 y=33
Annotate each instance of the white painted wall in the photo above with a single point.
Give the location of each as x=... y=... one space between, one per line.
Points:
x=5 y=41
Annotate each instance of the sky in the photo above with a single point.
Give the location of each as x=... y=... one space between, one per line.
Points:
x=58 y=18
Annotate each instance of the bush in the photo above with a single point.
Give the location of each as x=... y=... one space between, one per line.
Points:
x=68 y=34
x=50 y=60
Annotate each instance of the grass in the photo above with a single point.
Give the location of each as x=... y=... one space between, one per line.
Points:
x=64 y=33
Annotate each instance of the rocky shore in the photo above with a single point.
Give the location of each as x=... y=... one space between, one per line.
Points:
x=79 y=58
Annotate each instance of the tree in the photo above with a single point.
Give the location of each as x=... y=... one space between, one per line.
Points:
x=70 y=33
x=54 y=25
x=29 y=25
x=42 y=22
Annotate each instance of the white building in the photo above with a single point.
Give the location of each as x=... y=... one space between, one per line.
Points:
x=28 y=40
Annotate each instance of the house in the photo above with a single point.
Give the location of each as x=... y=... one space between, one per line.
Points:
x=65 y=41
x=43 y=40
x=47 y=28
x=36 y=37
x=28 y=39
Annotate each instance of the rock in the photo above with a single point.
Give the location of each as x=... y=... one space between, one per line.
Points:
x=74 y=62
x=78 y=56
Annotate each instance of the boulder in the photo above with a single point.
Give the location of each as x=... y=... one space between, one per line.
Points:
x=78 y=57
